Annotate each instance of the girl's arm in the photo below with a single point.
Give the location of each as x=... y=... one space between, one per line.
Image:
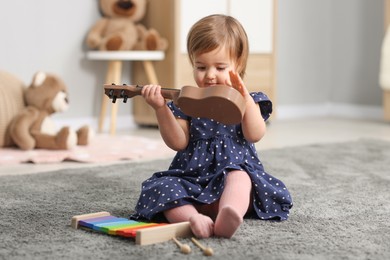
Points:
x=175 y=132
x=253 y=125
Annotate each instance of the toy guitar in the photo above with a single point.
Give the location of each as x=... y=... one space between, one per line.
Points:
x=221 y=103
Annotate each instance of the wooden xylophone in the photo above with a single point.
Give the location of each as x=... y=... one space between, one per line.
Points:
x=144 y=233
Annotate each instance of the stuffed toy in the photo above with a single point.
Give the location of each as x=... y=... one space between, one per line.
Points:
x=33 y=128
x=119 y=28
x=11 y=102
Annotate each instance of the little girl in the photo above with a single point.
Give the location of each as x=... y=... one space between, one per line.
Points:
x=216 y=177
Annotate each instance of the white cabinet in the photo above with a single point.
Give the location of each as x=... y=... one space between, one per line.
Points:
x=256 y=17
x=173 y=19
x=193 y=10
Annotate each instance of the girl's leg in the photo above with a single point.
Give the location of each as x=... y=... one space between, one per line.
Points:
x=234 y=203
x=201 y=225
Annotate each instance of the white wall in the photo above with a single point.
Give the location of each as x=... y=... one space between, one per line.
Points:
x=328 y=57
x=49 y=35
x=328 y=52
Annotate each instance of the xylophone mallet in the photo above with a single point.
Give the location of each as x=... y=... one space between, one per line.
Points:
x=208 y=251
x=184 y=248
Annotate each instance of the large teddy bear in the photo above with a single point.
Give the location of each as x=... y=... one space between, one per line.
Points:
x=119 y=28
x=33 y=127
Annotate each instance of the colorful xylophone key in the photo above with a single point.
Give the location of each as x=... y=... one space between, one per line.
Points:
x=143 y=232
x=116 y=226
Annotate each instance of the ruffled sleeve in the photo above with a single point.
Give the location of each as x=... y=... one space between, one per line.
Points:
x=176 y=111
x=264 y=103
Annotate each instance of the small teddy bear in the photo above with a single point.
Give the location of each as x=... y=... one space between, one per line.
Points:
x=33 y=128
x=119 y=28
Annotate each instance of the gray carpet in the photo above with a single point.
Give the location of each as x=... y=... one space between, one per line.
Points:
x=341 y=209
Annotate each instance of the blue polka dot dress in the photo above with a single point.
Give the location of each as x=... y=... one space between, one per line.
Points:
x=197 y=173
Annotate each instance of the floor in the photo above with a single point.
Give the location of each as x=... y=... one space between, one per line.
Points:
x=283 y=133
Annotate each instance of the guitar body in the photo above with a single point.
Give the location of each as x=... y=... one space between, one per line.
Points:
x=221 y=103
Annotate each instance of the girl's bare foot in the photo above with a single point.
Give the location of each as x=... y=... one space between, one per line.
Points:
x=227 y=222
x=202 y=226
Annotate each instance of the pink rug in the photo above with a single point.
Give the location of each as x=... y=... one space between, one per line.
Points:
x=103 y=148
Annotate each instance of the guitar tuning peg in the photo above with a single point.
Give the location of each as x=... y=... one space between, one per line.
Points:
x=122 y=93
x=125 y=99
x=113 y=99
x=112 y=83
x=124 y=84
x=111 y=93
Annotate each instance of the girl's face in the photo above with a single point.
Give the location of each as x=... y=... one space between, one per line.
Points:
x=212 y=68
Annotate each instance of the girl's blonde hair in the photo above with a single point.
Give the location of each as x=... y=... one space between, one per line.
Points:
x=215 y=31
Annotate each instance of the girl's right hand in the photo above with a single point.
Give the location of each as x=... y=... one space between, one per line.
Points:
x=152 y=96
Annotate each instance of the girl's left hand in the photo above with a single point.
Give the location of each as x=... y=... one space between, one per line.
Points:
x=237 y=83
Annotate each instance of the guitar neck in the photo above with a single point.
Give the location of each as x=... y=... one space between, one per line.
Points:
x=221 y=103
x=128 y=91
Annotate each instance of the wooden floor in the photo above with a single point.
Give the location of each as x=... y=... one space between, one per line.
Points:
x=284 y=133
